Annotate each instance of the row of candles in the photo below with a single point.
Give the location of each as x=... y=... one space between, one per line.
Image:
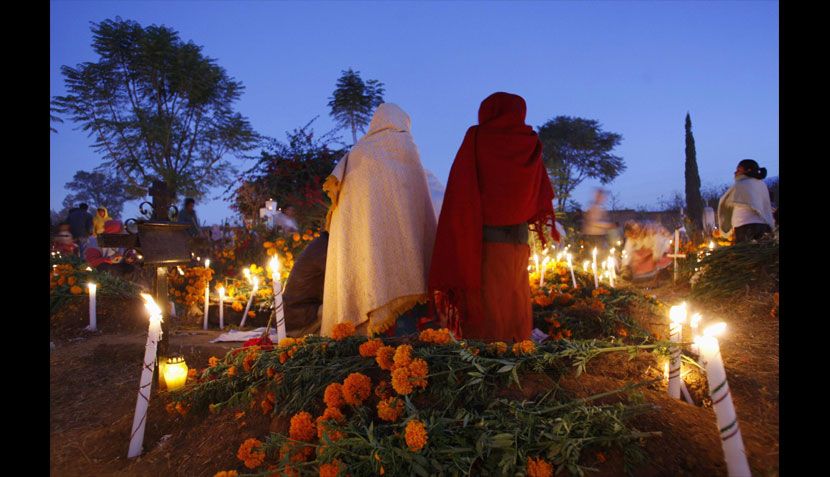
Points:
x=706 y=345
x=609 y=266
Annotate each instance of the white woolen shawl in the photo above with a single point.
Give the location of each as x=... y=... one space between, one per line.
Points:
x=382 y=229
x=747 y=191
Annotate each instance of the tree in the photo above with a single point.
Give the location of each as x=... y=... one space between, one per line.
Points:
x=53 y=119
x=711 y=195
x=157 y=107
x=575 y=149
x=98 y=190
x=694 y=201
x=354 y=101
x=292 y=173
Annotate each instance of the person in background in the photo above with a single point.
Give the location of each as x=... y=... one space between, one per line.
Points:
x=80 y=225
x=62 y=242
x=303 y=296
x=596 y=226
x=101 y=217
x=188 y=216
x=498 y=191
x=745 y=207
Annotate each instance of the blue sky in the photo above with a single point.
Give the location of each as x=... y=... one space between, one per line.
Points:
x=636 y=67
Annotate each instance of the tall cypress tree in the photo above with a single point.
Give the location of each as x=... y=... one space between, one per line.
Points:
x=694 y=201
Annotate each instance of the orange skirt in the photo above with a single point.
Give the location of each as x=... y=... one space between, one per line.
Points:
x=505 y=295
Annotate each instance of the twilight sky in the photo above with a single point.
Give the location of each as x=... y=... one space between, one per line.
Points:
x=636 y=67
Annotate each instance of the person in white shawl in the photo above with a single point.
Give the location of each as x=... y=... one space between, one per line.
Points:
x=745 y=207
x=381 y=228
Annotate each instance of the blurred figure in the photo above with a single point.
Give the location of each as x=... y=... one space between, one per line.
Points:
x=101 y=217
x=62 y=241
x=596 y=226
x=646 y=246
x=746 y=207
x=188 y=216
x=80 y=225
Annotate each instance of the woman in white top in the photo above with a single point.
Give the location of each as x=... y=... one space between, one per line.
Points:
x=746 y=206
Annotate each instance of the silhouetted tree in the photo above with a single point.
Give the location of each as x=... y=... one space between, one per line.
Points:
x=354 y=101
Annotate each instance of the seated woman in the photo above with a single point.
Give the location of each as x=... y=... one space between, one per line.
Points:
x=303 y=296
x=381 y=229
x=646 y=246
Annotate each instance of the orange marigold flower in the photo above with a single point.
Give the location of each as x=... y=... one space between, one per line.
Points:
x=599 y=291
x=499 y=347
x=390 y=409
x=622 y=332
x=268 y=244
x=232 y=371
x=383 y=390
x=524 y=347
x=332 y=469
x=251 y=453
x=170 y=408
x=251 y=314
x=415 y=435
x=270 y=372
x=601 y=457
x=296 y=237
x=302 y=427
x=297 y=452
x=237 y=306
x=71 y=280
x=333 y=395
x=191 y=373
x=329 y=415
x=441 y=336
x=401 y=382
x=213 y=361
x=539 y=468
x=403 y=356
x=226 y=473
x=342 y=331
x=76 y=290
x=370 y=348
x=283 y=358
x=356 y=388
x=266 y=406
x=248 y=361
x=543 y=300
x=419 y=370
x=384 y=357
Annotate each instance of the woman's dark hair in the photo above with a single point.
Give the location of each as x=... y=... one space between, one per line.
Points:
x=191 y=200
x=752 y=169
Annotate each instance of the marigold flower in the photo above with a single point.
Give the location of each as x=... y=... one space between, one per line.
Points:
x=76 y=290
x=403 y=356
x=71 y=280
x=302 y=427
x=170 y=408
x=232 y=371
x=401 y=382
x=248 y=361
x=333 y=395
x=524 y=347
x=601 y=457
x=499 y=347
x=390 y=409
x=383 y=390
x=251 y=314
x=286 y=342
x=226 y=473
x=268 y=244
x=384 y=357
x=237 y=306
x=539 y=468
x=266 y=406
x=415 y=435
x=332 y=469
x=356 y=388
x=329 y=415
x=251 y=453
x=370 y=348
x=441 y=336
x=213 y=361
x=419 y=370
x=297 y=452
x=342 y=331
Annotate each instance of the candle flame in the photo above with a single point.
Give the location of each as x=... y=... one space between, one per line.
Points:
x=221 y=291
x=181 y=272
x=256 y=283
x=247 y=274
x=274 y=264
x=695 y=320
x=152 y=307
x=91 y=286
x=666 y=371
x=207 y=263
x=715 y=329
x=677 y=313
x=594 y=253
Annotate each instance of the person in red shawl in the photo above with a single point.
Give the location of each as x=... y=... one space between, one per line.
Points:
x=498 y=190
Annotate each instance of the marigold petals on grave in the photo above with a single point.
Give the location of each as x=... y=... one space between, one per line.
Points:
x=539 y=468
x=403 y=356
x=333 y=395
x=251 y=453
x=415 y=435
x=302 y=427
x=342 y=331
x=356 y=388
x=370 y=348
x=385 y=357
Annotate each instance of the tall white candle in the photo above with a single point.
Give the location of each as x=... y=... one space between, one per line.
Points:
x=694 y=322
x=250 y=300
x=571 y=266
x=585 y=265
x=536 y=259
x=279 y=311
x=612 y=270
x=727 y=419
x=594 y=267
x=93 y=316
x=207 y=295
x=677 y=315
x=221 y=292
x=542 y=275
x=143 y=400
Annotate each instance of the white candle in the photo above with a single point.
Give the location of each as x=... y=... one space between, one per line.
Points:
x=571 y=266
x=93 y=316
x=612 y=271
x=250 y=300
x=221 y=291
x=542 y=275
x=207 y=295
x=585 y=265
x=694 y=322
x=727 y=419
x=594 y=267
x=677 y=315
x=536 y=259
x=143 y=400
x=279 y=311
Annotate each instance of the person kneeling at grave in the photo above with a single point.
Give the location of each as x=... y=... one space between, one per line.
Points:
x=303 y=296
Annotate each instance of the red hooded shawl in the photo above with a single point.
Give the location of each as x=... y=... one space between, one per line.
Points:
x=497 y=179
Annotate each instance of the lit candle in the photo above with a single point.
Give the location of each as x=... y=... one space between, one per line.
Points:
x=221 y=292
x=279 y=311
x=250 y=300
x=175 y=373
x=585 y=265
x=207 y=295
x=536 y=259
x=143 y=400
x=594 y=267
x=542 y=275
x=612 y=272
x=571 y=266
x=93 y=316
x=711 y=245
x=677 y=315
x=727 y=419
x=694 y=322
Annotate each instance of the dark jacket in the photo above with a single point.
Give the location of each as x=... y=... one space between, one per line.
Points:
x=304 y=288
x=80 y=223
x=187 y=217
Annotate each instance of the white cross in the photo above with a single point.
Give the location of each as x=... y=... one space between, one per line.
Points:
x=676 y=253
x=269 y=212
